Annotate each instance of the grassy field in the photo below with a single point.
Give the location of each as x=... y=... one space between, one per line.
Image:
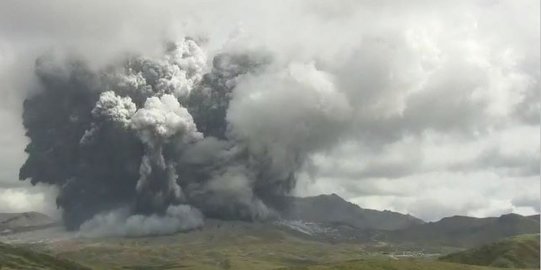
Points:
x=226 y=247
x=520 y=251
x=20 y=258
x=235 y=245
x=378 y=264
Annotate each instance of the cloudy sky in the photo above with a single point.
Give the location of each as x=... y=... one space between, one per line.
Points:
x=442 y=97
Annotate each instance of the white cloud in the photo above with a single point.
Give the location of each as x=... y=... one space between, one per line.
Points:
x=24 y=199
x=443 y=94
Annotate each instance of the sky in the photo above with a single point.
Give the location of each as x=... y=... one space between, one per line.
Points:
x=435 y=103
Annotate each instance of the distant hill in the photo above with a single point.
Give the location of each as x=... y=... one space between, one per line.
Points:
x=462 y=231
x=517 y=252
x=534 y=217
x=335 y=210
x=19 y=258
x=15 y=222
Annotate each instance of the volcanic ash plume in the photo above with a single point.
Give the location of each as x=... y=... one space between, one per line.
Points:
x=152 y=146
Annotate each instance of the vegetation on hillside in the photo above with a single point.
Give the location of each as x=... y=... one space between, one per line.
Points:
x=239 y=246
x=261 y=245
x=465 y=232
x=375 y=264
x=517 y=252
x=19 y=258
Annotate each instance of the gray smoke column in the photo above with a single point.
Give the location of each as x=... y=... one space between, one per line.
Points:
x=154 y=145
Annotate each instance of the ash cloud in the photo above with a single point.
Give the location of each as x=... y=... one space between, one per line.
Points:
x=421 y=87
x=155 y=136
x=120 y=222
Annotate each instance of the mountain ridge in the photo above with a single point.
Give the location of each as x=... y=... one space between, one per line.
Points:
x=15 y=222
x=464 y=231
x=331 y=208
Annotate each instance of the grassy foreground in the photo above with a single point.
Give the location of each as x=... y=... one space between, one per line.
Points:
x=19 y=258
x=378 y=264
x=234 y=245
x=515 y=252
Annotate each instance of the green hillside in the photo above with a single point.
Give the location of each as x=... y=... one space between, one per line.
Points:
x=465 y=232
x=19 y=258
x=517 y=252
x=239 y=246
x=260 y=245
x=221 y=245
x=374 y=264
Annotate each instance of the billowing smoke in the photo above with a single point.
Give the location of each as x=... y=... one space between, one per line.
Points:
x=150 y=146
x=120 y=222
x=377 y=101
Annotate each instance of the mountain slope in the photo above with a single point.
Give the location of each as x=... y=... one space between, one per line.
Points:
x=461 y=231
x=378 y=264
x=520 y=252
x=236 y=245
x=14 y=222
x=333 y=209
x=19 y=258
x=534 y=217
